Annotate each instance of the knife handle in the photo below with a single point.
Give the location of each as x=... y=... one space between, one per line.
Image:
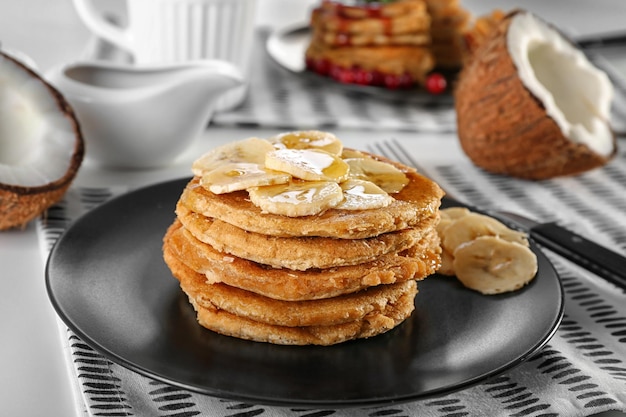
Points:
x=597 y=259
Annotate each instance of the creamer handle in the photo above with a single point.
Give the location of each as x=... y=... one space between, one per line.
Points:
x=96 y=22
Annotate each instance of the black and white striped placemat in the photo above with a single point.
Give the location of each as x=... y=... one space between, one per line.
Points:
x=284 y=100
x=582 y=370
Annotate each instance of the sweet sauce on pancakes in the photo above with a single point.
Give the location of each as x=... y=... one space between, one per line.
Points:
x=273 y=274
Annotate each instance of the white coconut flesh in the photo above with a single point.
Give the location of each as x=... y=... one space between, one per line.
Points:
x=575 y=93
x=36 y=140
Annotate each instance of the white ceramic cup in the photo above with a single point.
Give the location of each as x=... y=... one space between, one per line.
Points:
x=173 y=31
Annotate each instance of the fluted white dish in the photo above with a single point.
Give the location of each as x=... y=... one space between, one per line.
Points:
x=173 y=31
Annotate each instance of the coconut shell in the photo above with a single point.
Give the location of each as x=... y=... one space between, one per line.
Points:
x=503 y=128
x=19 y=204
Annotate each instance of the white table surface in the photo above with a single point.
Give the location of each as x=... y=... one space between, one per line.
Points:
x=33 y=379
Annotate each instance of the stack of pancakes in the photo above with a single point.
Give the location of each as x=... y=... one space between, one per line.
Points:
x=377 y=39
x=449 y=22
x=320 y=279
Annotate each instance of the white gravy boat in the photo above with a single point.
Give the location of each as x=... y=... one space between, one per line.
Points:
x=143 y=116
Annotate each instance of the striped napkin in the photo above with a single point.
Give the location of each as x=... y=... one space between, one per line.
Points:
x=580 y=372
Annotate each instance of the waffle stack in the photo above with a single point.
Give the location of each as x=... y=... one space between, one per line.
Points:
x=371 y=43
x=317 y=279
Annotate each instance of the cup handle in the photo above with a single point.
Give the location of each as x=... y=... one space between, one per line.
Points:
x=100 y=26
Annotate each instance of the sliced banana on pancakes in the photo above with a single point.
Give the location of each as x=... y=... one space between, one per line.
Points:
x=308 y=164
x=310 y=139
x=363 y=195
x=483 y=253
x=300 y=173
x=384 y=175
x=241 y=176
x=251 y=150
x=298 y=198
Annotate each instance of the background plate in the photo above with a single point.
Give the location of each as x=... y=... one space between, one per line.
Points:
x=287 y=47
x=108 y=282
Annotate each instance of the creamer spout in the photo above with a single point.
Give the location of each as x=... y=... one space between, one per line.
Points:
x=143 y=116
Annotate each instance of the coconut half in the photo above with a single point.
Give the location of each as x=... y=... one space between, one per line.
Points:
x=530 y=104
x=41 y=145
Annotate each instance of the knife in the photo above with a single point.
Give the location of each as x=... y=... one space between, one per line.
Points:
x=596 y=258
x=602 y=40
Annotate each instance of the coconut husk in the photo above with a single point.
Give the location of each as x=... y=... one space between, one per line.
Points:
x=502 y=127
x=21 y=204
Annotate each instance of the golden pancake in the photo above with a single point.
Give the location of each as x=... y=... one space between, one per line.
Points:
x=414 y=21
x=415 y=61
x=298 y=253
x=325 y=312
x=418 y=200
x=284 y=284
x=371 y=325
x=282 y=275
x=393 y=9
x=337 y=39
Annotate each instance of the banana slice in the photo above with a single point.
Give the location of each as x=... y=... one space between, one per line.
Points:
x=310 y=139
x=240 y=176
x=473 y=225
x=251 y=150
x=492 y=266
x=353 y=153
x=447 y=263
x=297 y=198
x=385 y=175
x=308 y=164
x=447 y=217
x=454 y=213
x=363 y=195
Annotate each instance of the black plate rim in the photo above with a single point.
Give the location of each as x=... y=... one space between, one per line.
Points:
x=282 y=402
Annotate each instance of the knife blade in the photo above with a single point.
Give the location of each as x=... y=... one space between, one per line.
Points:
x=590 y=255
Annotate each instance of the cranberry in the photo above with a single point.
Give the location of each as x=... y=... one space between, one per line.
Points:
x=341 y=74
x=378 y=78
x=322 y=66
x=346 y=76
x=436 y=83
x=363 y=77
x=392 y=81
x=334 y=71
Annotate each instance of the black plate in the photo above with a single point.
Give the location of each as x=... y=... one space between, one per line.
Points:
x=287 y=48
x=108 y=282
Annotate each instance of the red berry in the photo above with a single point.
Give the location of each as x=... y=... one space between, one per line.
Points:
x=334 y=71
x=341 y=74
x=392 y=81
x=363 y=77
x=322 y=66
x=346 y=76
x=436 y=83
x=378 y=78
